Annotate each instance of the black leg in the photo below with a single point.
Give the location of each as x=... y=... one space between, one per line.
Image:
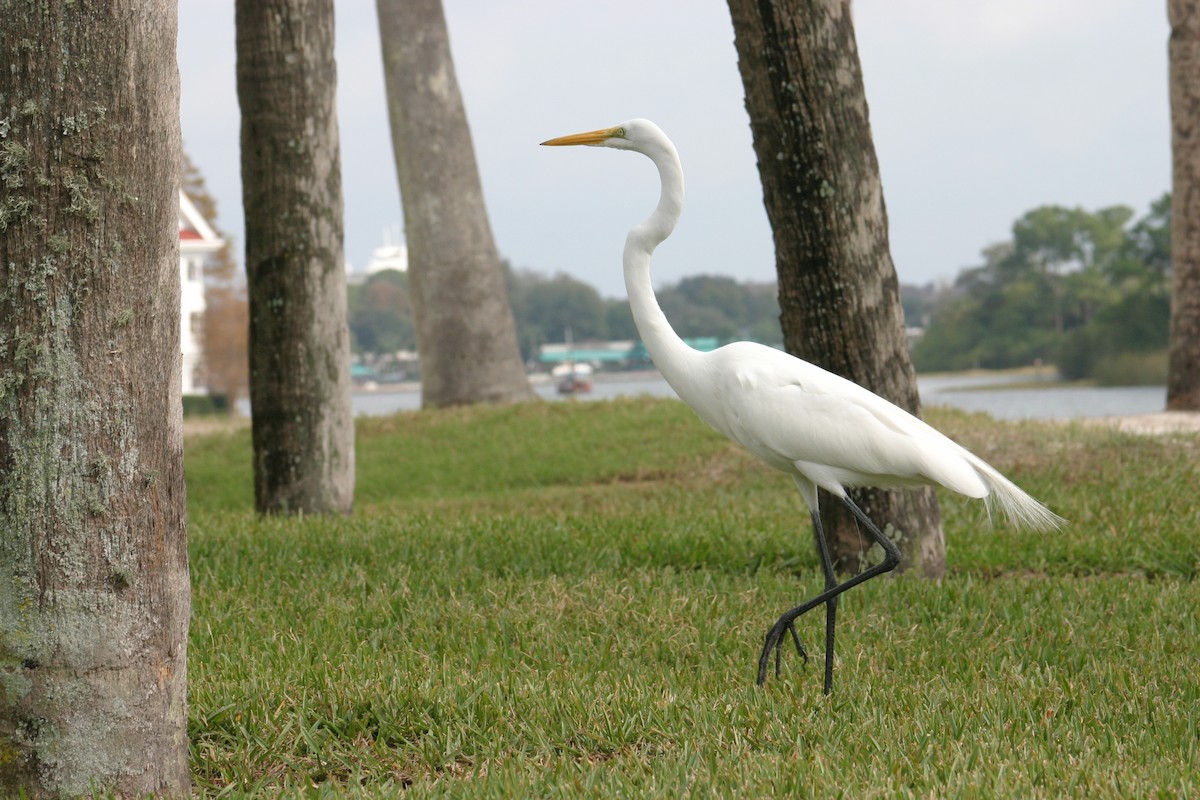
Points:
x=787 y=621
x=830 y=606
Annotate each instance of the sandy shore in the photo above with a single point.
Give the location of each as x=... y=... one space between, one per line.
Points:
x=1153 y=424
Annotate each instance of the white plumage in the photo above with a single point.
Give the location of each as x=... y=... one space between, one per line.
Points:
x=825 y=431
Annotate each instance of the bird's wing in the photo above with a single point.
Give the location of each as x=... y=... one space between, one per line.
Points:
x=799 y=417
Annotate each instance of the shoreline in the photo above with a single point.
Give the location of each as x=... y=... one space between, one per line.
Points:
x=1156 y=424
x=536 y=379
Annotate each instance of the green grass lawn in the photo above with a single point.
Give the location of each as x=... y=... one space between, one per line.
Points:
x=568 y=600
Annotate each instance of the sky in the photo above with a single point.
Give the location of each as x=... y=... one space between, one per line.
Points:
x=980 y=111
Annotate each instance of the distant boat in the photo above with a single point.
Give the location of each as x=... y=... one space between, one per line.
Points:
x=572 y=378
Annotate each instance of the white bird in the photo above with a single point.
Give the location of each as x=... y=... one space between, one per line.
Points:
x=823 y=430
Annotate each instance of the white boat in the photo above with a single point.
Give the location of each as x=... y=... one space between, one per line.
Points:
x=572 y=378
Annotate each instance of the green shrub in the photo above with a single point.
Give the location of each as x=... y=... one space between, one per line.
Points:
x=199 y=405
x=1132 y=369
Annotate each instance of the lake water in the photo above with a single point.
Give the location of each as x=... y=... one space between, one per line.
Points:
x=1023 y=402
x=1051 y=402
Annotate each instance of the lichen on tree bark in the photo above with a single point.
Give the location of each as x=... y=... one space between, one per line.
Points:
x=94 y=598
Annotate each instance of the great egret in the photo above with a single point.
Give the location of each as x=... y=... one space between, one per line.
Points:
x=823 y=430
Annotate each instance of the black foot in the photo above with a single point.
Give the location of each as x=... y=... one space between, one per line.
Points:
x=775 y=643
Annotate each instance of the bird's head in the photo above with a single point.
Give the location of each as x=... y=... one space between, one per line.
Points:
x=641 y=135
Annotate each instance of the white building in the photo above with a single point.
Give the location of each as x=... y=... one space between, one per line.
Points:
x=197 y=241
x=389 y=255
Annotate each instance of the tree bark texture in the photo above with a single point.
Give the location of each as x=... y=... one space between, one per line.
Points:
x=94 y=596
x=838 y=291
x=464 y=324
x=303 y=425
x=1183 y=371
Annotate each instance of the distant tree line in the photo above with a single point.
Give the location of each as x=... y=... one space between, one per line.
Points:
x=545 y=307
x=1087 y=291
x=380 y=314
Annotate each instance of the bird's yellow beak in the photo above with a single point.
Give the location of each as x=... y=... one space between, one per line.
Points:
x=591 y=137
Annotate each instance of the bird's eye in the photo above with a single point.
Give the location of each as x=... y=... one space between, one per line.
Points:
x=619 y=133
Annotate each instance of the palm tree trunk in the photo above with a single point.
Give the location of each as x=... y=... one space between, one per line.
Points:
x=303 y=426
x=838 y=291
x=1183 y=370
x=464 y=324
x=94 y=595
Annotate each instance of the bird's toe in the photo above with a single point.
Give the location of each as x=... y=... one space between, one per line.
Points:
x=774 y=645
x=799 y=645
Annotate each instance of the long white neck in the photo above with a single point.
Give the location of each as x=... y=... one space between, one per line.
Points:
x=673 y=358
